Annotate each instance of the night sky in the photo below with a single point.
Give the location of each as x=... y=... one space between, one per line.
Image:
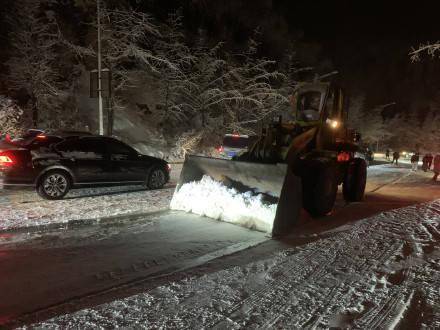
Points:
x=366 y=41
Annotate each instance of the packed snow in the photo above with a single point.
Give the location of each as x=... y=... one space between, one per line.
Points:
x=212 y=199
x=27 y=209
x=376 y=273
x=23 y=208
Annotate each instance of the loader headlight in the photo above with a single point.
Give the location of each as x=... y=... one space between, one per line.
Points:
x=333 y=123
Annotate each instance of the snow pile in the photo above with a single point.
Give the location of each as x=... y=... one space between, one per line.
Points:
x=213 y=199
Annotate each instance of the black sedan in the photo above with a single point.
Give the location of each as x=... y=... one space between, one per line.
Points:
x=54 y=163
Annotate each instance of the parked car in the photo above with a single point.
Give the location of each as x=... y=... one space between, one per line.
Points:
x=55 y=162
x=234 y=144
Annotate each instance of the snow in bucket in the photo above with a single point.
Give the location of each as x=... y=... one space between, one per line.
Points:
x=213 y=199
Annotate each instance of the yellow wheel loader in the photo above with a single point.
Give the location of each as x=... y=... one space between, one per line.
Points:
x=295 y=163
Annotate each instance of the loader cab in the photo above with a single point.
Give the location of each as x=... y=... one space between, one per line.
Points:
x=320 y=105
x=308 y=102
x=316 y=102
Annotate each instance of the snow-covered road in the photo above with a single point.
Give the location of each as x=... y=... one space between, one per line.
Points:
x=382 y=271
x=362 y=266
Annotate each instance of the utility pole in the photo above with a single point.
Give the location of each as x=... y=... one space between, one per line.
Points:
x=101 y=113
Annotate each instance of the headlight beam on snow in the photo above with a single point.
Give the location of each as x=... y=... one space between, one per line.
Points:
x=264 y=197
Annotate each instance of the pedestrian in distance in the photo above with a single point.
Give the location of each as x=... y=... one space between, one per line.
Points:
x=429 y=159
x=415 y=161
x=425 y=163
x=436 y=167
x=387 y=154
x=396 y=156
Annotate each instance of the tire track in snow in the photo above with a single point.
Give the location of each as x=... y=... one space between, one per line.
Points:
x=390 y=182
x=362 y=278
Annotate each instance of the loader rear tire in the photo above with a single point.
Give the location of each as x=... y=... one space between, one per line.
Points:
x=353 y=187
x=320 y=187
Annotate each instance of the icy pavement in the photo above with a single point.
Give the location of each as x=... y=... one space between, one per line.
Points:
x=381 y=271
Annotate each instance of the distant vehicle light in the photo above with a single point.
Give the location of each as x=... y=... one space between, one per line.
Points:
x=220 y=149
x=343 y=157
x=333 y=123
x=41 y=137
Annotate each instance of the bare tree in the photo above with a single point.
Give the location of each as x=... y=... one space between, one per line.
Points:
x=430 y=49
x=257 y=87
x=370 y=121
x=229 y=94
x=33 y=63
x=173 y=47
x=129 y=46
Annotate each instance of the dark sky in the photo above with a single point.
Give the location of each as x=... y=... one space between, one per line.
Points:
x=367 y=41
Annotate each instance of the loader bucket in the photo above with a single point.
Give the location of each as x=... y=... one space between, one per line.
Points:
x=264 y=197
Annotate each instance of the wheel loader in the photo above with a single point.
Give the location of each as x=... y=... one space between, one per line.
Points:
x=297 y=162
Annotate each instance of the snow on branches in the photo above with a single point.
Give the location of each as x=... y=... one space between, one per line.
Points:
x=33 y=66
x=225 y=92
x=430 y=48
x=10 y=116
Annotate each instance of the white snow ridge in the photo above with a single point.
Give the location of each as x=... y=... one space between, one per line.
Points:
x=212 y=199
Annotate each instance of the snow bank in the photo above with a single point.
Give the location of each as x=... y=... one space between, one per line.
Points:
x=213 y=199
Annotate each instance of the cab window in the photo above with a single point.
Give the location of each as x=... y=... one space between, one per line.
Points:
x=308 y=106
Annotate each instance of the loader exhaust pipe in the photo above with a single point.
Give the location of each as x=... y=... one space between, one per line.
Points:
x=264 y=197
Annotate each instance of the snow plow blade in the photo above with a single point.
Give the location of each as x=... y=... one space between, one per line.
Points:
x=264 y=197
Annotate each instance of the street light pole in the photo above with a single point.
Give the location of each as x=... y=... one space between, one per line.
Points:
x=100 y=105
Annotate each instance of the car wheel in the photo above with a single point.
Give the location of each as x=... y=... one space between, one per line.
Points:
x=54 y=185
x=156 y=178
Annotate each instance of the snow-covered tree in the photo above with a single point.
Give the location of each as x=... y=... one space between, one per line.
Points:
x=173 y=47
x=431 y=49
x=427 y=133
x=370 y=122
x=34 y=59
x=228 y=93
x=130 y=50
x=10 y=116
x=257 y=87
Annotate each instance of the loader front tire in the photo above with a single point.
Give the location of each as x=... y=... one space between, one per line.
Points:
x=355 y=179
x=320 y=187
